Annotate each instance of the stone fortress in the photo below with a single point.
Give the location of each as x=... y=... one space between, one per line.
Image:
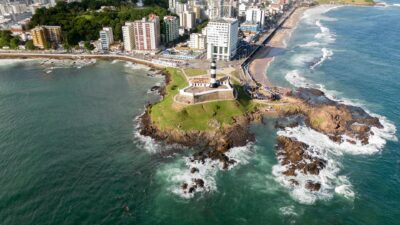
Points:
x=203 y=89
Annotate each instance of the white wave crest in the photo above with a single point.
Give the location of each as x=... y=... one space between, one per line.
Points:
x=326 y=54
x=324 y=148
x=180 y=173
x=135 y=66
x=10 y=62
x=310 y=44
x=325 y=34
x=294 y=77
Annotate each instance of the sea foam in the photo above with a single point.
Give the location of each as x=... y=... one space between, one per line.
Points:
x=332 y=182
x=179 y=173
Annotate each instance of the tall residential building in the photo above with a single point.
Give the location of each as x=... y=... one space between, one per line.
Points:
x=255 y=16
x=171 y=28
x=53 y=34
x=128 y=35
x=187 y=20
x=41 y=35
x=38 y=37
x=147 y=33
x=106 y=38
x=198 y=41
x=172 y=5
x=222 y=38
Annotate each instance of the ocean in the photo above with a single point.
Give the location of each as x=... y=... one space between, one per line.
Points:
x=70 y=152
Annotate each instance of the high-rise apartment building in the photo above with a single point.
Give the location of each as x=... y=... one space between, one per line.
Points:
x=255 y=16
x=147 y=33
x=41 y=35
x=128 y=35
x=222 y=39
x=187 y=20
x=38 y=37
x=171 y=28
x=106 y=38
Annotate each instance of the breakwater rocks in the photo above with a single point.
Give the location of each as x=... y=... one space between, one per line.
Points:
x=341 y=123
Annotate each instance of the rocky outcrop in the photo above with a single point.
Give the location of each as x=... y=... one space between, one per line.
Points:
x=334 y=119
x=297 y=158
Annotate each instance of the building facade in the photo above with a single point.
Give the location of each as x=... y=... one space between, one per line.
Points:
x=106 y=38
x=147 y=33
x=255 y=16
x=53 y=34
x=41 y=35
x=187 y=20
x=38 y=37
x=171 y=28
x=198 y=41
x=222 y=39
x=128 y=35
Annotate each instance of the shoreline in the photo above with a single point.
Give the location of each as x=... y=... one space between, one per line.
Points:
x=28 y=55
x=261 y=61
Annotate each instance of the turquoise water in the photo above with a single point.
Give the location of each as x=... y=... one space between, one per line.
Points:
x=70 y=154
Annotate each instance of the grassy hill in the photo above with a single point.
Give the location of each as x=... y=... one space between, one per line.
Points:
x=199 y=117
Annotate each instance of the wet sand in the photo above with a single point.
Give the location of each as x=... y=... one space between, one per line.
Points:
x=275 y=47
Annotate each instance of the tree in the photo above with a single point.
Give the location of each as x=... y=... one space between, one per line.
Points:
x=89 y=46
x=29 y=45
x=14 y=42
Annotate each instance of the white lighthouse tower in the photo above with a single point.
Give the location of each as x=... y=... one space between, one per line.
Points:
x=213 y=73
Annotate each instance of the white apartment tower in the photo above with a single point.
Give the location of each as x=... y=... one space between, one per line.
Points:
x=171 y=28
x=198 y=41
x=128 y=35
x=106 y=38
x=147 y=33
x=187 y=20
x=255 y=16
x=222 y=39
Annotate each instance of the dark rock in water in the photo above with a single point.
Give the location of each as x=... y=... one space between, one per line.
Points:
x=194 y=170
x=184 y=186
x=313 y=186
x=289 y=121
x=199 y=182
x=155 y=88
x=313 y=96
x=192 y=189
x=296 y=155
x=294 y=182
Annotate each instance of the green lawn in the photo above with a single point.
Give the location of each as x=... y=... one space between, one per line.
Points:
x=191 y=72
x=196 y=117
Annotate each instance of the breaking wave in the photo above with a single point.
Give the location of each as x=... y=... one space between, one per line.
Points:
x=325 y=33
x=326 y=54
x=179 y=173
x=332 y=182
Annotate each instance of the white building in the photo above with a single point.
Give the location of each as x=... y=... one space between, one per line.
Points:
x=255 y=16
x=242 y=9
x=197 y=41
x=187 y=20
x=171 y=28
x=222 y=39
x=106 y=38
x=128 y=36
x=147 y=33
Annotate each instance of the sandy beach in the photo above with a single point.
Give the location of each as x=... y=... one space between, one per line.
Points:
x=276 y=46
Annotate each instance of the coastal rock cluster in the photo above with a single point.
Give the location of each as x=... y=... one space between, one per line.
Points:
x=340 y=122
x=308 y=107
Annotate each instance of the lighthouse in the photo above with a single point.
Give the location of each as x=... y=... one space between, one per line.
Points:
x=213 y=74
